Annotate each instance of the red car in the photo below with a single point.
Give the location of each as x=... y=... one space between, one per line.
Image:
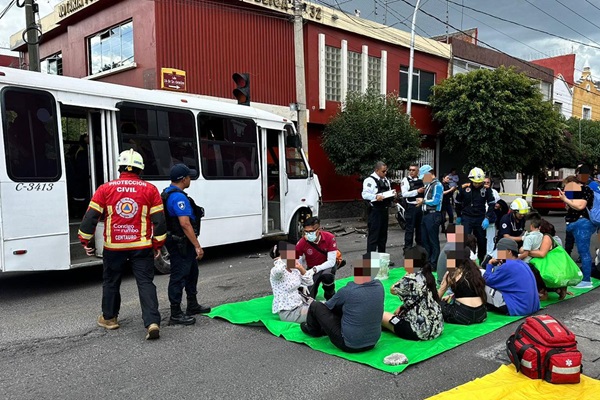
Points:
x=544 y=205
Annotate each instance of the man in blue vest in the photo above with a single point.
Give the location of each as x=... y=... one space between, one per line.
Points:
x=183 y=228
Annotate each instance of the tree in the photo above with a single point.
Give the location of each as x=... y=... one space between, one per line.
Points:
x=498 y=117
x=586 y=137
x=371 y=127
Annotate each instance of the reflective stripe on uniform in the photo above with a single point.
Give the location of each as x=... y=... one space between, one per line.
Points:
x=160 y=238
x=96 y=207
x=86 y=236
x=144 y=225
x=129 y=245
x=108 y=225
x=156 y=209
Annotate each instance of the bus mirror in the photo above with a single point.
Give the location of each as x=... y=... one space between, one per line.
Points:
x=311 y=173
x=293 y=141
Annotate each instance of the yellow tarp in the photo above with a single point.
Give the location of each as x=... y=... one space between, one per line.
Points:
x=506 y=383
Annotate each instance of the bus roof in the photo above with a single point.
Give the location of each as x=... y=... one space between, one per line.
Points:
x=38 y=80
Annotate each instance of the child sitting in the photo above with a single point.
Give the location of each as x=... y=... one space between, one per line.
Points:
x=532 y=240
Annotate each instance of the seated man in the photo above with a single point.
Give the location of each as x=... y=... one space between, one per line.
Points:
x=510 y=285
x=317 y=250
x=352 y=317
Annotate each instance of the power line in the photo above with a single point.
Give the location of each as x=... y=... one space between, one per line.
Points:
x=592 y=4
x=576 y=13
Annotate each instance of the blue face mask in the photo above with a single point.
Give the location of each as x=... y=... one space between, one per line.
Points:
x=311 y=236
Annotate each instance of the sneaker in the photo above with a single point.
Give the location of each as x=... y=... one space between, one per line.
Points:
x=108 y=323
x=584 y=285
x=153 y=332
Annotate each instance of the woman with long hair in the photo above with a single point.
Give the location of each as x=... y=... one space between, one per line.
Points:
x=466 y=304
x=420 y=315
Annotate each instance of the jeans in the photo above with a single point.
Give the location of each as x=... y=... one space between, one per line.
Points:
x=142 y=264
x=447 y=210
x=378 y=229
x=582 y=230
x=430 y=233
x=413 y=216
x=184 y=272
x=473 y=226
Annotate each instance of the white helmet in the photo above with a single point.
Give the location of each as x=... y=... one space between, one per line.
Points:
x=476 y=175
x=130 y=158
x=520 y=206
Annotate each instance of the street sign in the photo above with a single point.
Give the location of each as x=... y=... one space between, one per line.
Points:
x=172 y=79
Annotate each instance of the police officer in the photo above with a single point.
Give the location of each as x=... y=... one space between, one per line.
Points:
x=183 y=228
x=431 y=205
x=412 y=189
x=373 y=188
x=471 y=202
x=134 y=227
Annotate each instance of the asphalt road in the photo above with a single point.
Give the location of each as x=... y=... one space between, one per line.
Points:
x=50 y=346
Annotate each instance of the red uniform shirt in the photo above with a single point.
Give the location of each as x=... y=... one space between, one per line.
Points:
x=313 y=256
x=128 y=203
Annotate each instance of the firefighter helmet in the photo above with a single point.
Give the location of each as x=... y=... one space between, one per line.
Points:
x=476 y=175
x=131 y=158
x=519 y=206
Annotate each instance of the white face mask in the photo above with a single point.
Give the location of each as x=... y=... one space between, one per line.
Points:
x=311 y=236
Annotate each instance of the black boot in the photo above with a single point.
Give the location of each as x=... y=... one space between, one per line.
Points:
x=179 y=318
x=194 y=308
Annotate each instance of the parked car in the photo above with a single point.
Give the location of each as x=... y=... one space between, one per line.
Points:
x=544 y=205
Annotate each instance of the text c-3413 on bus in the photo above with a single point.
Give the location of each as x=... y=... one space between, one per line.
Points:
x=38 y=187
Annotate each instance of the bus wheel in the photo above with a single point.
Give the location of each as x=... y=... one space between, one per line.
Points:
x=297 y=224
x=163 y=262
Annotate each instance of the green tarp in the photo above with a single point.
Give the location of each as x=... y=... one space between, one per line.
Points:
x=259 y=311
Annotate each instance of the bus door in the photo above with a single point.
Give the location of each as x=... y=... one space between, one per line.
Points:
x=33 y=192
x=272 y=169
x=85 y=166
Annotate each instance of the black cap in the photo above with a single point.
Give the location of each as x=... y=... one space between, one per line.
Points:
x=180 y=171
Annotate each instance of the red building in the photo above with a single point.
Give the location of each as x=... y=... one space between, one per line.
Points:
x=118 y=41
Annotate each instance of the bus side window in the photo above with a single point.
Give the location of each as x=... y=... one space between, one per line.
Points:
x=31 y=135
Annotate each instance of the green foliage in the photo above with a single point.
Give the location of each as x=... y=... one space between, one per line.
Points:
x=499 y=118
x=370 y=128
x=589 y=149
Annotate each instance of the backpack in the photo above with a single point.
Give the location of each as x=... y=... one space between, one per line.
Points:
x=594 y=212
x=543 y=348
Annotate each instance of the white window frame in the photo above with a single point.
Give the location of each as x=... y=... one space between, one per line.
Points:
x=583 y=112
x=54 y=60
x=117 y=61
x=333 y=72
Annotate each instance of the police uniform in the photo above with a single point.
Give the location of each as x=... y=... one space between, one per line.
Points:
x=432 y=219
x=413 y=214
x=378 y=212
x=471 y=208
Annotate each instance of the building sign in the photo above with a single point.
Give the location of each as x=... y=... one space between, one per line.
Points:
x=172 y=79
x=69 y=7
x=308 y=10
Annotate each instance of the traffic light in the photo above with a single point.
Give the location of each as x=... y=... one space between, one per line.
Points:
x=242 y=90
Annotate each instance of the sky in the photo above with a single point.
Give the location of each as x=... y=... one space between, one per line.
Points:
x=567 y=26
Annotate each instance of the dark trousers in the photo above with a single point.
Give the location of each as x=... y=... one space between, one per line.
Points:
x=184 y=272
x=327 y=278
x=430 y=233
x=569 y=242
x=413 y=216
x=447 y=210
x=378 y=229
x=321 y=319
x=142 y=264
x=473 y=226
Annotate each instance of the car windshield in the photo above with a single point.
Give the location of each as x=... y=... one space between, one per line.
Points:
x=550 y=185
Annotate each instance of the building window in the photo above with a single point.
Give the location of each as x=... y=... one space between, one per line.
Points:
x=52 y=65
x=558 y=107
x=111 y=48
x=587 y=113
x=354 y=71
x=423 y=81
x=333 y=73
x=374 y=73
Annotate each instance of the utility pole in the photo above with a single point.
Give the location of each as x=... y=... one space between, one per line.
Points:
x=300 y=76
x=31 y=36
x=411 y=61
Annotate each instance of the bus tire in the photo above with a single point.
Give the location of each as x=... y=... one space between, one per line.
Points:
x=297 y=225
x=162 y=264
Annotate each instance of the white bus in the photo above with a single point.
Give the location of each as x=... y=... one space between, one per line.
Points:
x=254 y=180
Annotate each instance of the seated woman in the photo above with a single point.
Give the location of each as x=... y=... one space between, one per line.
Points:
x=548 y=243
x=289 y=281
x=420 y=315
x=466 y=305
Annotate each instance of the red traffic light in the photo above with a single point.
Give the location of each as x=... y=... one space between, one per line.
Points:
x=242 y=91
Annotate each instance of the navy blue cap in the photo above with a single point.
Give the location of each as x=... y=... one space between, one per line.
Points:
x=180 y=171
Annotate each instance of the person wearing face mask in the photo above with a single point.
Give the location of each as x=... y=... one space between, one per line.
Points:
x=374 y=187
x=317 y=251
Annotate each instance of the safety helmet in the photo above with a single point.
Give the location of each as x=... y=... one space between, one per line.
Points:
x=130 y=158
x=476 y=175
x=520 y=206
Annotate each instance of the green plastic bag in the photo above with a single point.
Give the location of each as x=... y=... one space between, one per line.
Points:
x=558 y=268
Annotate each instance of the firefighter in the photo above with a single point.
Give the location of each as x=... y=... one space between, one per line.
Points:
x=471 y=202
x=183 y=228
x=134 y=232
